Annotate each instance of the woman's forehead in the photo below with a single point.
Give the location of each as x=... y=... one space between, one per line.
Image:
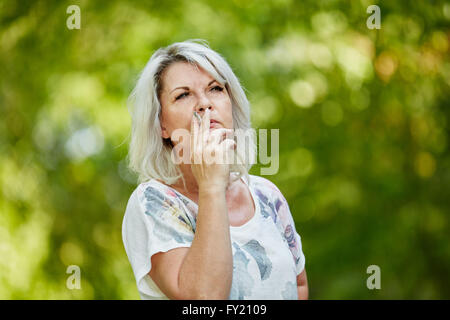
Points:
x=182 y=74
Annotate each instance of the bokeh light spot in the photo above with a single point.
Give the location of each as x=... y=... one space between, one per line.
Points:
x=302 y=93
x=425 y=164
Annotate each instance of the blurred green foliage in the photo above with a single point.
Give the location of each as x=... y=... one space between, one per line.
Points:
x=364 y=132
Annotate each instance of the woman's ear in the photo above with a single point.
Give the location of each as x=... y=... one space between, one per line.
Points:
x=164 y=132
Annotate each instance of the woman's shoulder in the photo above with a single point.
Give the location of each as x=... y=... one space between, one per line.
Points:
x=153 y=191
x=154 y=201
x=264 y=185
x=157 y=187
x=156 y=198
x=267 y=192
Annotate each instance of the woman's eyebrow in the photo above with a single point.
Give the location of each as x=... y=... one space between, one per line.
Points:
x=187 y=88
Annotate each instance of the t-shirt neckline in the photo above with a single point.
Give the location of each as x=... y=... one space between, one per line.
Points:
x=252 y=194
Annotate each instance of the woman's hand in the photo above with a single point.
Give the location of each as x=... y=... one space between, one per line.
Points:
x=209 y=152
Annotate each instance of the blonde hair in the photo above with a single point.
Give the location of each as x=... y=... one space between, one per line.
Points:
x=149 y=154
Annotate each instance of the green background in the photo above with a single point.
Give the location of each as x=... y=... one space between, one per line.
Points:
x=364 y=132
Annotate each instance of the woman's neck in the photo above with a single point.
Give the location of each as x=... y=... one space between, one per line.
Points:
x=189 y=179
x=191 y=183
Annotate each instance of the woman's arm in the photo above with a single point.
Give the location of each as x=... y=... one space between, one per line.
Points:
x=205 y=270
x=302 y=286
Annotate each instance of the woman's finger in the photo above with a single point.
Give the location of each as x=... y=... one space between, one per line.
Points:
x=222 y=133
x=213 y=140
x=226 y=150
x=195 y=128
x=205 y=125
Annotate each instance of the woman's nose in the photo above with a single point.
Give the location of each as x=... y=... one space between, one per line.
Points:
x=201 y=108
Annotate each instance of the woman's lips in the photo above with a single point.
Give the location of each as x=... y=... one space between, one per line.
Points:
x=214 y=124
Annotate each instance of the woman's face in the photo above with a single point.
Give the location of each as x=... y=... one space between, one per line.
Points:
x=186 y=89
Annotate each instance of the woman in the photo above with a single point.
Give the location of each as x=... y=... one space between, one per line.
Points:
x=189 y=230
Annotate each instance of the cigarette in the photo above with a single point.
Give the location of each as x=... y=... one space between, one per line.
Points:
x=197 y=116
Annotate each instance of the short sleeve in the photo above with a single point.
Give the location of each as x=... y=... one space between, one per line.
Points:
x=153 y=222
x=290 y=233
x=287 y=223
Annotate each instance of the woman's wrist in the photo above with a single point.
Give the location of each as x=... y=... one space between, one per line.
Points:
x=212 y=188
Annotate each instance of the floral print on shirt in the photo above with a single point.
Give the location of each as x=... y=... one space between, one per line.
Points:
x=173 y=218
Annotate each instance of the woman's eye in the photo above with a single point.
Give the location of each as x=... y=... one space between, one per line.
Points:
x=182 y=95
x=218 y=88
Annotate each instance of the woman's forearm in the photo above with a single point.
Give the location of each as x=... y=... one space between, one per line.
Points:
x=207 y=269
x=302 y=292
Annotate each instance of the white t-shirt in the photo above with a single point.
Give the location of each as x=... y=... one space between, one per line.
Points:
x=267 y=250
